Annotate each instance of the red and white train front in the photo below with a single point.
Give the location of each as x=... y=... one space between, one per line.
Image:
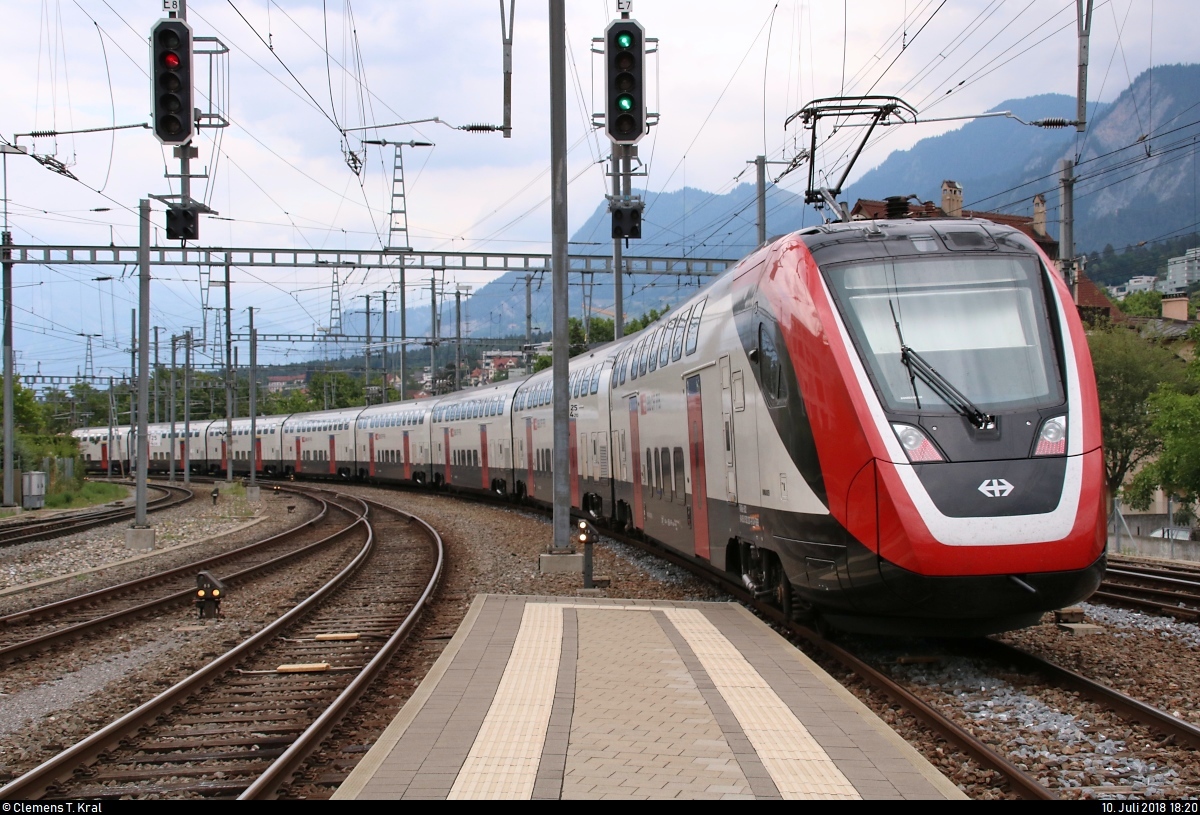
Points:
x=944 y=409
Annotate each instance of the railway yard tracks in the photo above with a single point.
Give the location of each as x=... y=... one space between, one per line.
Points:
x=1170 y=588
x=24 y=529
x=245 y=722
x=26 y=632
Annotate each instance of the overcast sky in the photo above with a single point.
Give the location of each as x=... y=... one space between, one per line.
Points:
x=725 y=78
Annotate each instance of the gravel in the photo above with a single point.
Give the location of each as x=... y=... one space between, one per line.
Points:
x=1061 y=738
x=198 y=519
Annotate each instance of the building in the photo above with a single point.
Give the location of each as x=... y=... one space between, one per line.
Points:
x=1182 y=272
x=952 y=207
x=285 y=384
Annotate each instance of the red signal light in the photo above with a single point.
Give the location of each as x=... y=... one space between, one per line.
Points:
x=171 y=60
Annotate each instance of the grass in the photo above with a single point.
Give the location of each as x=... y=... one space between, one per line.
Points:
x=90 y=494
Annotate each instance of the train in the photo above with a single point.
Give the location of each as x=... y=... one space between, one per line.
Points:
x=888 y=426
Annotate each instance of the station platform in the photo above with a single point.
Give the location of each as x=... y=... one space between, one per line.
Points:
x=579 y=698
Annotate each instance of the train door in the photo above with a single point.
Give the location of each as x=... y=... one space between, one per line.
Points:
x=731 y=494
x=104 y=455
x=639 y=505
x=225 y=458
x=695 y=420
x=483 y=456
x=446 y=439
x=332 y=454
x=258 y=459
x=407 y=458
x=529 y=469
x=371 y=453
x=298 y=454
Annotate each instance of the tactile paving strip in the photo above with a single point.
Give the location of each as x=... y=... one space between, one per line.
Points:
x=503 y=761
x=798 y=765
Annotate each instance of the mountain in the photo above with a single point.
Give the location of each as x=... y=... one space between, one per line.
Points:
x=1137 y=181
x=1136 y=172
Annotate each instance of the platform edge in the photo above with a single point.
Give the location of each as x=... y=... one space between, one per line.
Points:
x=365 y=770
x=944 y=785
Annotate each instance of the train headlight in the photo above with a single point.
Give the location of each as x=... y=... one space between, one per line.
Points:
x=1052 y=439
x=916 y=445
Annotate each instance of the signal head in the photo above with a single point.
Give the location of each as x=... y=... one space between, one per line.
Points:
x=625 y=91
x=171 y=44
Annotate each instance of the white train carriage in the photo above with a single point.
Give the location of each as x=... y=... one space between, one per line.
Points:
x=393 y=442
x=471 y=438
x=100 y=449
x=657 y=432
x=320 y=445
x=533 y=438
x=588 y=449
x=268 y=434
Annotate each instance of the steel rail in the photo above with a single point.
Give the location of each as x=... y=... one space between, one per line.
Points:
x=35 y=782
x=1022 y=782
x=1124 y=705
x=179 y=597
x=43 y=529
x=282 y=769
x=130 y=585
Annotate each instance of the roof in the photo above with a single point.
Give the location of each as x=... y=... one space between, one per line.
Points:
x=1090 y=296
x=869 y=209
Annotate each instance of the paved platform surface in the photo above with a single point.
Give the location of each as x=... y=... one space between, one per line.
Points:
x=573 y=698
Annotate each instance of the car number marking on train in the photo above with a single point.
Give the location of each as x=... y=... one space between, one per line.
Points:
x=996 y=488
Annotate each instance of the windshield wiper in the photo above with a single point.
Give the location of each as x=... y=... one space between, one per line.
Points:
x=952 y=396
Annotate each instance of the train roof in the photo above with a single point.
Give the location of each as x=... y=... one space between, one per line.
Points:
x=913 y=236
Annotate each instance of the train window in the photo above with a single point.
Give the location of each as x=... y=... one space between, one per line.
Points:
x=664 y=351
x=680 y=487
x=693 y=329
x=622 y=364
x=656 y=485
x=633 y=360
x=665 y=487
x=655 y=342
x=596 y=379
x=677 y=342
x=475 y=455
x=770 y=368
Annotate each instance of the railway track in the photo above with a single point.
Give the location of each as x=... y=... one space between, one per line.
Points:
x=26 y=530
x=1172 y=590
x=243 y=724
x=1025 y=785
x=36 y=629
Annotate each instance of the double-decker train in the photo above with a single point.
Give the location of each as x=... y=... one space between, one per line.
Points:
x=892 y=425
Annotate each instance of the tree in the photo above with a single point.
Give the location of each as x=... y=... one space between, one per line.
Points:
x=1128 y=370
x=1175 y=419
x=1143 y=304
x=542 y=362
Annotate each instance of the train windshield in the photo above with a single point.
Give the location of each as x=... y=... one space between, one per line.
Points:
x=979 y=321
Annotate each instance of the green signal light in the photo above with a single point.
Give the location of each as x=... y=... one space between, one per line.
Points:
x=625 y=102
x=625 y=39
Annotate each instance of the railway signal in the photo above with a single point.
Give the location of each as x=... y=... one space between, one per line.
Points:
x=625 y=86
x=627 y=220
x=209 y=593
x=183 y=223
x=171 y=73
